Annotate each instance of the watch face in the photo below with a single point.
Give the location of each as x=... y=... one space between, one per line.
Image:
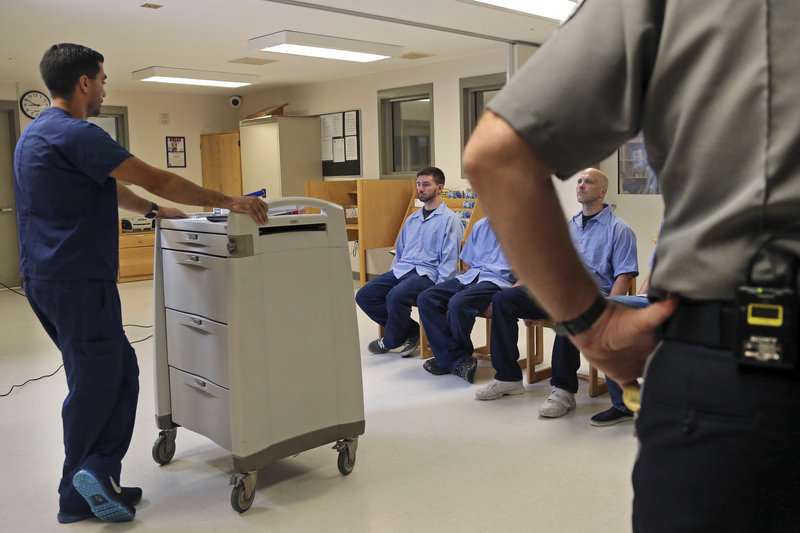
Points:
x=34 y=102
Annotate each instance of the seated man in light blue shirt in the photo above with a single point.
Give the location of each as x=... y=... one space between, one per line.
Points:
x=448 y=309
x=426 y=253
x=607 y=246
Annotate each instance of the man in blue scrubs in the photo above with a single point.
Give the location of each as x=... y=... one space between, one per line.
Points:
x=65 y=182
x=426 y=253
x=448 y=309
x=607 y=246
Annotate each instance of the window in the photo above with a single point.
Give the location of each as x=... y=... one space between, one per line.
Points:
x=476 y=92
x=114 y=120
x=406 y=130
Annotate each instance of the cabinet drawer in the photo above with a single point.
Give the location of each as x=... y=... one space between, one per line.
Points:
x=198 y=345
x=201 y=406
x=194 y=241
x=136 y=263
x=196 y=284
x=131 y=240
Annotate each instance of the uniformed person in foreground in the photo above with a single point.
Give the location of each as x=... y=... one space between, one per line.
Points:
x=713 y=86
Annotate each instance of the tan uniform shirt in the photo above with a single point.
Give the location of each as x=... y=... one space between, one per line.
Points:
x=714 y=85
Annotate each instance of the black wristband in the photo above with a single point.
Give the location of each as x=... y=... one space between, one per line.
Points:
x=153 y=213
x=582 y=323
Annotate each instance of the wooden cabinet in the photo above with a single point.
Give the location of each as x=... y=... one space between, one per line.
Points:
x=222 y=163
x=280 y=154
x=380 y=207
x=136 y=256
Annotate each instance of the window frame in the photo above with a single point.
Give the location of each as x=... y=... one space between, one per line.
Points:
x=387 y=97
x=468 y=88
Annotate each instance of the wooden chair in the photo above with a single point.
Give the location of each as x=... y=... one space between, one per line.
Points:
x=597 y=385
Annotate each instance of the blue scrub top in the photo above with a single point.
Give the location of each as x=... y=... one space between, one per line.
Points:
x=607 y=246
x=67 y=212
x=482 y=252
x=429 y=245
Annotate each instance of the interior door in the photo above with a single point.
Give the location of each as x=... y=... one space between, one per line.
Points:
x=9 y=241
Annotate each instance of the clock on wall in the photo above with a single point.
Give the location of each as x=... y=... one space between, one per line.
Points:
x=34 y=102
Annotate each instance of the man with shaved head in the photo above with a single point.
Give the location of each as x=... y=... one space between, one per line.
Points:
x=607 y=246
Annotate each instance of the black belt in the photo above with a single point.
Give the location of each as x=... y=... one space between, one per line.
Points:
x=708 y=323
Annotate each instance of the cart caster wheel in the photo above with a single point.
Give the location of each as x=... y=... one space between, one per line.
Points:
x=164 y=448
x=346 y=461
x=239 y=498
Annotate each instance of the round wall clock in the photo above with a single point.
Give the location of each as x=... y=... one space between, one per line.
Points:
x=34 y=102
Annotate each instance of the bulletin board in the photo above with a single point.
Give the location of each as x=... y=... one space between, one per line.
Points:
x=341 y=143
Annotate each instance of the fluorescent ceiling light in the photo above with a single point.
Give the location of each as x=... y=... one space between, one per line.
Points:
x=309 y=44
x=194 y=77
x=551 y=9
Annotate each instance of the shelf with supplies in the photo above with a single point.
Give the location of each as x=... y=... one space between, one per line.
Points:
x=374 y=210
x=135 y=255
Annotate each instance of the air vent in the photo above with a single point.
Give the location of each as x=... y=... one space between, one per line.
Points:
x=414 y=55
x=253 y=61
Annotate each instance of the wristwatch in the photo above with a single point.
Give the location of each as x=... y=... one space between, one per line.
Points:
x=153 y=213
x=583 y=322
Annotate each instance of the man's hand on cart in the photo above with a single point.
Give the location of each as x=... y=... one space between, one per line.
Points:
x=255 y=207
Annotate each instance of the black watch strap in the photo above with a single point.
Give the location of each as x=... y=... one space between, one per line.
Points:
x=153 y=213
x=583 y=322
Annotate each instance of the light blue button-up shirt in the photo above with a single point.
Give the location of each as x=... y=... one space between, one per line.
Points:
x=429 y=245
x=482 y=252
x=607 y=246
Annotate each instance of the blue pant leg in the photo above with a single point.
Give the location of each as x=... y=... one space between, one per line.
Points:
x=615 y=391
x=463 y=309
x=399 y=325
x=566 y=360
x=102 y=377
x=371 y=298
x=432 y=304
x=508 y=306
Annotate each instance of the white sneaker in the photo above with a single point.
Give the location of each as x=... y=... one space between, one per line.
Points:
x=558 y=404
x=497 y=389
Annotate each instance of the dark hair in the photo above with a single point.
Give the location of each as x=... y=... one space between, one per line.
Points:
x=436 y=173
x=63 y=65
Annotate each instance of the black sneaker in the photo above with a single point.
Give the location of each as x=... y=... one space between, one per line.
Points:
x=377 y=346
x=410 y=346
x=132 y=495
x=103 y=496
x=466 y=369
x=609 y=417
x=434 y=368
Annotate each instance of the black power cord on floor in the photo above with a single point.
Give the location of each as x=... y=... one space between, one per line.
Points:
x=19 y=386
x=12 y=290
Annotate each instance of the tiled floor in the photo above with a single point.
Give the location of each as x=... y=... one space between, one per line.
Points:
x=432 y=458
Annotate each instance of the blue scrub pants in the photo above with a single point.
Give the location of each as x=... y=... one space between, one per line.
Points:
x=387 y=300
x=84 y=319
x=508 y=306
x=448 y=311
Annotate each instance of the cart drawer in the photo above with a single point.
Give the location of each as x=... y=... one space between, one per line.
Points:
x=195 y=241
x=198 y=345
x=196 y=284
x=201 y=406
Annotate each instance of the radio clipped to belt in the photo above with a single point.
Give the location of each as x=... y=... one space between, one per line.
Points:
x=766 y=333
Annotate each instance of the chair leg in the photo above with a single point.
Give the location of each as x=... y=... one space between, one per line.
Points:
x=425 y=351
x=597 y=385
x=536 y=354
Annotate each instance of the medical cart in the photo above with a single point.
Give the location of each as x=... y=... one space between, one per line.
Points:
x=256 y=341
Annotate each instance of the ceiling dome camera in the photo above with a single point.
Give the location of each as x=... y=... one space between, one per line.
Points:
x=235 y=101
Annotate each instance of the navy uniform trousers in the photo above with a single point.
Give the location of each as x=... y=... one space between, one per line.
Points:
x=448 y=311
x=387 y=300
x=508 y=306
x=84 y=319
x=719 y=445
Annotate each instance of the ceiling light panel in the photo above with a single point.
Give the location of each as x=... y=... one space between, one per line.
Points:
x=550 y=9
x=323 y=46
x=194 y=77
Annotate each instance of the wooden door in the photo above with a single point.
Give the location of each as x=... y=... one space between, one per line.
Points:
x=222 y=163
